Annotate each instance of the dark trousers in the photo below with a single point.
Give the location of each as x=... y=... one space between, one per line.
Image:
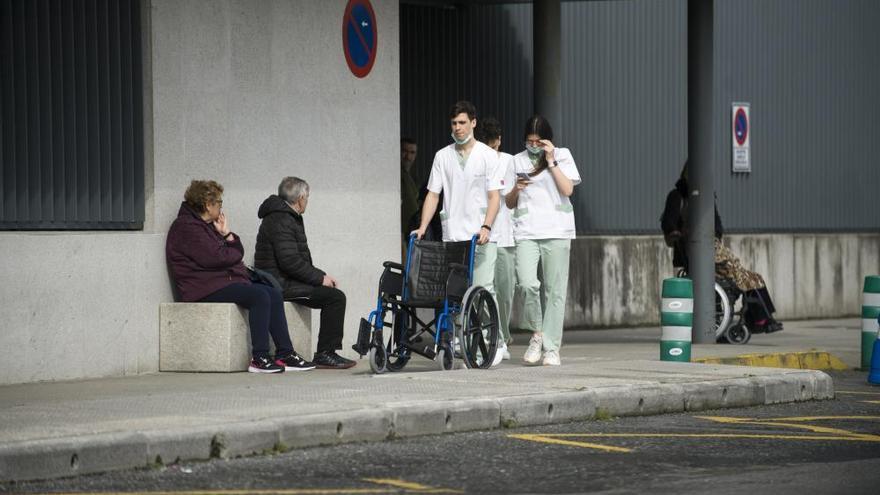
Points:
x=760 y=306
x=331 y=302
x=265 y=315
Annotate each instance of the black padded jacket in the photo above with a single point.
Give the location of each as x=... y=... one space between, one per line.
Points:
x=283 y=250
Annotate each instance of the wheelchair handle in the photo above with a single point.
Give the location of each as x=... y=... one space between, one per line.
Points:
x=391 y=264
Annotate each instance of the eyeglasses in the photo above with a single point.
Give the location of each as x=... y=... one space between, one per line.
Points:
x=533 y=142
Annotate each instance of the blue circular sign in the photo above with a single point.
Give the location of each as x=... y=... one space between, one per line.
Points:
x=741 y=126
x=359 y=36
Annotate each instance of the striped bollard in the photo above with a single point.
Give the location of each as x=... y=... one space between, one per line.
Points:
x=870 y=312
x=874 y=371
x=676 y=319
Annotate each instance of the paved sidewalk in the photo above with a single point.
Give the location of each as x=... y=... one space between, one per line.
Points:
x=68 y=428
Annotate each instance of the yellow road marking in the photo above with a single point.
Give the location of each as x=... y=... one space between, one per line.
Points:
x=549 y=437
x=294 y=491
x=870 y=401
x=784 y=422
x=553 y=439
x=823 y=432
x=795 y=418
x=853 y=392
x=409 y=486
x=395 y=486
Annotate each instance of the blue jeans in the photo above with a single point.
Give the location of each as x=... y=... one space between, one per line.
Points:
x=265 y=315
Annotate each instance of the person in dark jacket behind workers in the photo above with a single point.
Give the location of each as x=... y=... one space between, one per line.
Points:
x=204 y=257
x=674 y=223
x=283 y=250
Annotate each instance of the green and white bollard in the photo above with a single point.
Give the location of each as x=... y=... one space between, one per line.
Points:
x=676 y=319
x=870 y=312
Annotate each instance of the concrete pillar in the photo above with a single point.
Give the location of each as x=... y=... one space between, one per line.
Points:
x=547 y=44
x=700 y=168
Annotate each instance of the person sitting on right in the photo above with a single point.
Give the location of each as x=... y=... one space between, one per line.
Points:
x=759 y=315
x=283 y=251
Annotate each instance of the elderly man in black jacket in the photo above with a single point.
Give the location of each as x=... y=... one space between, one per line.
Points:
x=283 y=250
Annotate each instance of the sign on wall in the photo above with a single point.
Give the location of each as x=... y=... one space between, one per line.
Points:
x=741 y=128
x=359 y=36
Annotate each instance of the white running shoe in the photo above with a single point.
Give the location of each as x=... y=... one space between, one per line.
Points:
x=499 y=354
x=551 y=358
x=505 y=352
x=533 y=353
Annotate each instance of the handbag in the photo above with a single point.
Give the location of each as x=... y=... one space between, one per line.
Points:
x=263 y=277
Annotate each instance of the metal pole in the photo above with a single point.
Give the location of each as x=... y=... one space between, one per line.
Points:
x=700 y=169
x=547 y=43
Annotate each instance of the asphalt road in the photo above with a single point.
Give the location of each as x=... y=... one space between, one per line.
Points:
x=815 y=447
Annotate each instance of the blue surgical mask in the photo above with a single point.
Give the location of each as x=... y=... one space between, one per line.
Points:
x=534 y=150
x=461 y=141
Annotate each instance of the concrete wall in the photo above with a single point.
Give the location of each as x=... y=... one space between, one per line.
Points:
x=615 y=281
x=243 y=92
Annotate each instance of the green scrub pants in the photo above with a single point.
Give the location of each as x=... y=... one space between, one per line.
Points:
x=484 y=266
x=505 y=280
x=553 y=255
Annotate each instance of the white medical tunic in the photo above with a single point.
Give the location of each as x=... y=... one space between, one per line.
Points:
x=465 y=188
x=541 y=212
x=502 y=231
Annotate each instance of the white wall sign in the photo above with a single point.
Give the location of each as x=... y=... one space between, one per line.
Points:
x=741 y=130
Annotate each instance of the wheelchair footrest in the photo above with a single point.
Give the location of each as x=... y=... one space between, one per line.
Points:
x=363 y=339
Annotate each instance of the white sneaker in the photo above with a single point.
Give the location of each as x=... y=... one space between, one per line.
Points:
x=533 y=353
x=505 y=352
x=551 y=358
x=499 y=353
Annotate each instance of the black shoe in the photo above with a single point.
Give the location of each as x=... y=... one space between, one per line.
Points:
x=264 y=365
x=331 y=360
x=295 y=362
x=774 y=326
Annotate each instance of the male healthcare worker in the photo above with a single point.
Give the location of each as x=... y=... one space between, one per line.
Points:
x=468 y=175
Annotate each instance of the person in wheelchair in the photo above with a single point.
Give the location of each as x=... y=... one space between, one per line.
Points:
x=758 y=306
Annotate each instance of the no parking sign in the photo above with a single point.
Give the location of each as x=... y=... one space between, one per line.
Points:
x=742 y=130
x=359 y=36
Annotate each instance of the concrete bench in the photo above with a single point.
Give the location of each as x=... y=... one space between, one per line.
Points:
x=216 y=337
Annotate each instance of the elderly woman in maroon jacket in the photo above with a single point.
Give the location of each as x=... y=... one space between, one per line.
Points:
x=205 y=261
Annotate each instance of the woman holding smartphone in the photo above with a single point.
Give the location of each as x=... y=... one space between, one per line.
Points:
x=543 y=227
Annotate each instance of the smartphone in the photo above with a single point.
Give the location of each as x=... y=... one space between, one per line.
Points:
x=523 y=176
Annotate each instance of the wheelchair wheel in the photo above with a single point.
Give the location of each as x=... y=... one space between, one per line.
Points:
x=398 y=356
x=445 y=357
x=378 y=357
x=723 y=311
x=478 y=332
x=738 y=334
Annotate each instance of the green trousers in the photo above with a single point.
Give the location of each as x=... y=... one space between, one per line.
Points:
x=484 y=266
x=553 y=255
x=505 y=281
x=484 y=269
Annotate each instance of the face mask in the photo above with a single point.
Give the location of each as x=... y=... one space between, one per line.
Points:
x=461 y=141
x=534 y=150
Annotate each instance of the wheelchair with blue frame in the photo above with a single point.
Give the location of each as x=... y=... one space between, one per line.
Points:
x=436 y=276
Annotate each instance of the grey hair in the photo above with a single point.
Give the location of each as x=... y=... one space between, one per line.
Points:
x=292 y=188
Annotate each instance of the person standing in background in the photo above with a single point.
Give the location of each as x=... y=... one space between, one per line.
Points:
x=489 y=132
x=409 y=191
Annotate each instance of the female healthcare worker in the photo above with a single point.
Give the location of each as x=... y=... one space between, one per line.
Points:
x=543 y=227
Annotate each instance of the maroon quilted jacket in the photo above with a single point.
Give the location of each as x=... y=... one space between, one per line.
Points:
x=201 y=261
